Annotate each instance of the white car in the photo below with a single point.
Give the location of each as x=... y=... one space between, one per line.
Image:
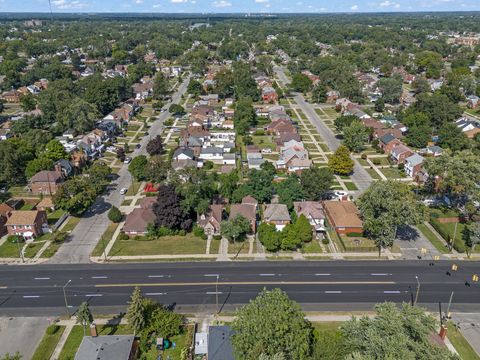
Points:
x=123 y=191
x=127 y=160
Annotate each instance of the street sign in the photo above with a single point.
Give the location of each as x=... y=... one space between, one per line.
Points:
x=454 y=267
x=475 y=277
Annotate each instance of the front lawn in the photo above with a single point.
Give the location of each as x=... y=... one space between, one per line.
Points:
x=351 y=186
x=47 y=346
x=165 y=245
x=214 y=246
x=104 y=240
x=373 y=173
x=392 y=173
x=312 y=247
x=134 y=188
x=54 y=216
x=10 y=250
x=76 y=335
x=358 y=244
x=71 y=224
x=439 y=244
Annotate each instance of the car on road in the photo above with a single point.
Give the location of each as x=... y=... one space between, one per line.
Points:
x=127 y=160
x=123 y=191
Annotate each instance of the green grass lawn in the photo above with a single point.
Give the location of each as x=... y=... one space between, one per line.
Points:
x=126 y=202
x=47 y=346
x=76 y=335
x=106 y=237
x=133 y=127
x=27 y=206
x=357 y=244
x=461 y=344
x=166 y=245
x=242 y=246
x=174 y=353
x=32 y=249
x=363 y=162
x=324 y=147
x=351 y=186
x=392 y=173
x=9 y=250
x=55 y=215
x=51 y=250
x=373 y=174
x=134 y=188
x=263 y=141
x=439 y=244
x=312 y=247
x=71 y=223
x=214 y=246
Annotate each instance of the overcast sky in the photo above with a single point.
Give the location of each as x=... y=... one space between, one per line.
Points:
x=232 y=6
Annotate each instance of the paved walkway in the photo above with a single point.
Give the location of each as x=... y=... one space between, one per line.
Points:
x=63 y=339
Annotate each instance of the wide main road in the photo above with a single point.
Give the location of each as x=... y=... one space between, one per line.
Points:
x=193 y=287
x=94 y=221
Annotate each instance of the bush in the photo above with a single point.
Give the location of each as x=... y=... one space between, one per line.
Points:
x=123 y=236
x=52 y=329
x=114 y=214
x=364 y=156
x=401 y=166
x=259 y=132
x=15 y=238
x=355 y=234
x=143 y=238
x=217 y=237
x=459 y=245
x=325 y=241
x=168 y=122
x=198 y=231
x=376 y=161
x=164 y=231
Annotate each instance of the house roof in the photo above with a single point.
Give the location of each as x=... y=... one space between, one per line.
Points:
x=46 y=202
x=249 y=211
x=147 y=202
x=46 y=176
x=313 y=209
x=138 y=220
x=387 y=138
x=414 y=159
x=400 y=149
x=185 y=151
x=5 y=209
x=108 y=347
x=249 y=200
x=276 y=212
x=219 y=344
x=22 y=217
x=343 y=213
x=214 y=213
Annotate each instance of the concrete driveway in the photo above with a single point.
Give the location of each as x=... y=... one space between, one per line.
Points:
x=21 y=334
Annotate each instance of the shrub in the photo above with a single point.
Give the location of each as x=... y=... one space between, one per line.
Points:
x=259 y=132
x=14 y=239
x=123 y=236
x=217 y=237
x=52 y=329
x=459 y=245
x=325 y=241
x=364 y=156
x=164 y=231
x=114 y=214
x=376 y=161
x=143 y=238
x=198 y=231
x=355 y=234
x=401 y=166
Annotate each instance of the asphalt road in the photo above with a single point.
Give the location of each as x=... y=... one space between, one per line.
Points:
x=94 y=221
x=192 y=287
x=360 y=176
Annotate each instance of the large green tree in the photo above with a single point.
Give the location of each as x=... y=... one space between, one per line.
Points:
x=135 y=312
x=355 y=136
x=272 y=324
x=301 y=82
x=316 y=182
x=244 y=116
x=340 y=162
x=391 y=88
x=289 y=190
x=384 y=206
x=138 y=167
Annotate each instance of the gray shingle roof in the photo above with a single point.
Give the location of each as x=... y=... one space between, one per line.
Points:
x=110 y=347
x=219 y=344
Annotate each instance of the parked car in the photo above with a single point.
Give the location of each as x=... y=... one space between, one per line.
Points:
x=127 y=160
x=123 y=191
x=138 y=146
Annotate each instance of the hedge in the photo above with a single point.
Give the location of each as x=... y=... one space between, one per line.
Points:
x=355 y=234
x=458 y=245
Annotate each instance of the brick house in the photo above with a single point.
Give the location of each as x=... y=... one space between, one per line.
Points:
x=248 y=209
x=387 y=142
x=400 y=152
x=27 y=223
x=269 y=95
x=276 y=214
x=211 y=220
x=413 y=165
x=5 y=211
x=343 y=216
x=46 y=182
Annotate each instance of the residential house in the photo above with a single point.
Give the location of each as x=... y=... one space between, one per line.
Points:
x=46 y=182
x=212 y=153
x=210 y=99
x=473 y=102
x=138 y=220
x=332 y=96
x=413 y=164
x=219 y=343
x=343 y=216
x=12 y=96
x=313 y=211
x=387 y=142
x=468 y=126
x=142 y=91
x=45 y=204
x=27 y=223
x=248 y=209
x=91 y=144
x=276 y=214
x=5 y=211
x=211 y=220
x=107 y=347
x=269 y=95
x=255 y=160
x=65 y=166
x=284 y=137
x=293 y=157
x=313 y=78
x=433 y=150
x=400 y=152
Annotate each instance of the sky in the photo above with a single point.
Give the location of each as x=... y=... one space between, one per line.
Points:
x=238 y=6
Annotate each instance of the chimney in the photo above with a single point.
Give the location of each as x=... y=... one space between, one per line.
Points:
x=93 y=330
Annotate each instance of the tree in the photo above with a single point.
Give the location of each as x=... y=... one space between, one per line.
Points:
x=301 y=82
x=155 y=146
x=437 y=107
x=161 y=87
x=36 y=165
x=15 y=356
x=391 y=88
x=2 y=105
x=157 y=169
x=224 y=83
x=319 y=93
x=135 y=312
x=419 y=134
x=138 y=167
x=55 y=151
x=289 y=190
x=176 y=109
x=244 y=116
x=316 y=182
x=340 y=162
x=194 y=88
x=451 y=137
x=384 y=206
x=379 y=105
x=15 y=153
x=271 y=324
x=355 y=136
x=28 y=102
x=431 y=62
x=120 y=154
x=269 y=236
x=473 y=237
x=236 y=228
x=228 y=184
x=80 y=116
x=168 y=209
x=84 y=316
x=394 y=333
x=343 y=121
x=114 y=215
x=303 y=229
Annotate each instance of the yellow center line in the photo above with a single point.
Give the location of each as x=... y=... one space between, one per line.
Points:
x=253 y=283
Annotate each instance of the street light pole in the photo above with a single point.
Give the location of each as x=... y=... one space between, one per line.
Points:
x=65 y=297
x=418 y=291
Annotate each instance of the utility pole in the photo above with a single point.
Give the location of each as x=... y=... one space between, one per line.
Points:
x=65 y=298
x=216 y=295
x=447 y=313
x=418 y=291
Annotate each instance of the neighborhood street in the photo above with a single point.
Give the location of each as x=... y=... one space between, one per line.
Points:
x=318 y=286
x=94 y=221
x=360 y=176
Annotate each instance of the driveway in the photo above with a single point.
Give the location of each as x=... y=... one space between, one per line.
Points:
x=469 y=326
x=21 y=334
x=94 y=222
x=360 y=176
x=411 y=240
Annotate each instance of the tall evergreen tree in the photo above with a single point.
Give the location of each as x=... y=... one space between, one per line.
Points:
x=84 y=316
x=135 y=313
